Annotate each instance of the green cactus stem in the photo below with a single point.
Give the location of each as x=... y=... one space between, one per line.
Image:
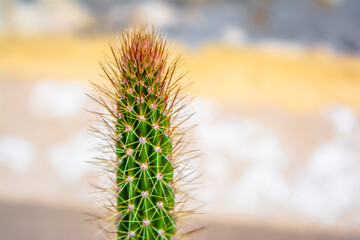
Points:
x=143 y=101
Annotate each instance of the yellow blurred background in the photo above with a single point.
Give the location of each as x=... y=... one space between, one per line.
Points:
x=276 y=86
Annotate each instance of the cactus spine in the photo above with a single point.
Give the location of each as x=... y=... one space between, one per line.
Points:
x=142 y=120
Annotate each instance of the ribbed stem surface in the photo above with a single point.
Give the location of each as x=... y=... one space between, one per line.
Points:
x=144 y=173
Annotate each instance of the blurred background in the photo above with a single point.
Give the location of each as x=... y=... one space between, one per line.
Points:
x=277 y=106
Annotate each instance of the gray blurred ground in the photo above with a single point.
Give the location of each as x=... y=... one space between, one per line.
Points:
x=35 y=222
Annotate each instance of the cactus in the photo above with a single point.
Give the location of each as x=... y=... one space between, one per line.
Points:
x=144 y=145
